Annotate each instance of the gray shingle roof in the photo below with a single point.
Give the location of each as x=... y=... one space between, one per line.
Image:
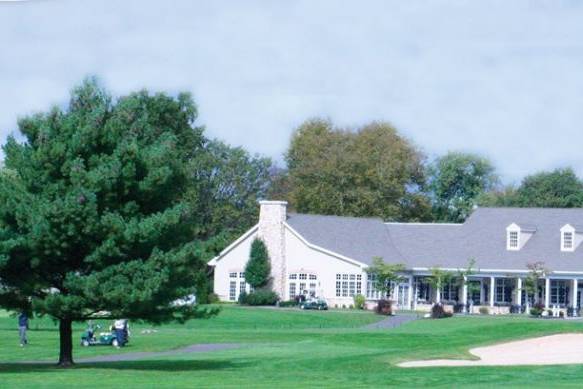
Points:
x=482 y=237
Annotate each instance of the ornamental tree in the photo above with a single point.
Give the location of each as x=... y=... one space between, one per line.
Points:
x=258 y=267
x=385 y=275
x=96 y=211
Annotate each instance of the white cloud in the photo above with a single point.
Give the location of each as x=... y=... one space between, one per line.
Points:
x=501 y=78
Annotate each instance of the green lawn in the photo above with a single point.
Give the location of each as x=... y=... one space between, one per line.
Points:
x=289 y=348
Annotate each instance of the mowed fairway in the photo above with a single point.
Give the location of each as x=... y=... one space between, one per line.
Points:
x=288 y=348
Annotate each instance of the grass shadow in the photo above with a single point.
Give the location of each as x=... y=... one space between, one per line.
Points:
x=149 y=365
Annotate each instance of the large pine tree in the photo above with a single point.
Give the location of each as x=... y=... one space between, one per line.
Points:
x=96 y=210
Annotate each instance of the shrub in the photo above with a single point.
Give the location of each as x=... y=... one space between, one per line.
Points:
x=290 y=303
x=359 y=301
x=515 y=308
x=213 y=298
x=258 y=268
x=536 y=311
x=260 y=297
x=242 y=298
x=384 y=307
x=458 y=308
x=484 y=311
x=437 y=312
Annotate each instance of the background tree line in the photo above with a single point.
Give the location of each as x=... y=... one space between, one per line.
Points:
x=372 y=170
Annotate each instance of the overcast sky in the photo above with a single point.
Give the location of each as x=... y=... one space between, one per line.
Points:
x=502 y=78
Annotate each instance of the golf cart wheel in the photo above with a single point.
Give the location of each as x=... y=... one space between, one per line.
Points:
x=85 y=343
x=115 y=343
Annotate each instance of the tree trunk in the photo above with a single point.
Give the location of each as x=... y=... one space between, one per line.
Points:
x=66 y=343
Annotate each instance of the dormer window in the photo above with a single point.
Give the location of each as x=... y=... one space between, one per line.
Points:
x=568 y=238
x=513 y=237
x=517 y=235
x=513 y=240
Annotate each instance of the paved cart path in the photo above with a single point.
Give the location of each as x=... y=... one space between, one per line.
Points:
x=194 y=348
x=559 y=349
x=136 y=356
x=393 y=321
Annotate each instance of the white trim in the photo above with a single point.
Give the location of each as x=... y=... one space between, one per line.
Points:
x=230 y=247
x=482 y=272
x=323 y=250
x=513 y=229
x=568 y=229
x=272 y=202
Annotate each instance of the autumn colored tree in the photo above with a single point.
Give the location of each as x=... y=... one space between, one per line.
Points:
x=366 y=171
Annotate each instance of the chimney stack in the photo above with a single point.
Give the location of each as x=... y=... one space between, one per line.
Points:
x=272 y=215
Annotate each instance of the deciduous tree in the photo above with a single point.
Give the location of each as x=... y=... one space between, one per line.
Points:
x=385 y=275
x=367 y=171
x=457 y=180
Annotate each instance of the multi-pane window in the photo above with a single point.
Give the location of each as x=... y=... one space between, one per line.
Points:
x=348 y=285
x=292 y=291
x=449 y=292
x=504 y=290
x=233 y=290
x=513 y=239
x=312 y=288
x=237 y=278
x=296 y=287
x=558 y=292
x=567 y=240
x=344 y=288
x=423 y=290
x=303 y=287
x=371 y=291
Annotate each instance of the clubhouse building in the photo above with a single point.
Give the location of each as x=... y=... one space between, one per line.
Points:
x=328 y=256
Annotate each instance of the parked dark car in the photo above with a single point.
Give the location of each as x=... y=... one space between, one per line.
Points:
x=318 y=304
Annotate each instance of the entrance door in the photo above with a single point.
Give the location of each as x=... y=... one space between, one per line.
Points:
x=403 y=296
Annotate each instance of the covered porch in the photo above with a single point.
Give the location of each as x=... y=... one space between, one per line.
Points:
x=490 y=293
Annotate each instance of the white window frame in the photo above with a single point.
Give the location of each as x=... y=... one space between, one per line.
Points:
x=512 y=230
x=568 y=230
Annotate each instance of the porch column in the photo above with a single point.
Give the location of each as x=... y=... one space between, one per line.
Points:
x=396 y=294
x=492 y=286
x=415 y=294
x=465 y=294
x=574 y=295
x=519 y=291
x=547 y=292
x=410 y=293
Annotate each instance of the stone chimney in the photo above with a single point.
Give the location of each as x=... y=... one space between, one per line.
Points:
x=272 y=215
